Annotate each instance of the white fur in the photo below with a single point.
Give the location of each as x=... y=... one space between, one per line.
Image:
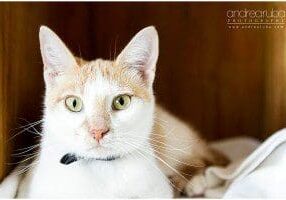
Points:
x=135 y=173
x=9 y=186
x=128 y=177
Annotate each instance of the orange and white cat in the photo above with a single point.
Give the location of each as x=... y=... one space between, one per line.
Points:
x=103 y=134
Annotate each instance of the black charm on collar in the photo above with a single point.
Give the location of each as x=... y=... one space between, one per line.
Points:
x=68 y=159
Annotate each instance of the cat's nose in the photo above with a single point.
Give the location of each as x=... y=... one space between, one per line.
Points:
x=98 y=134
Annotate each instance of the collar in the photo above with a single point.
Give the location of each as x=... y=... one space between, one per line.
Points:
x=70 y=158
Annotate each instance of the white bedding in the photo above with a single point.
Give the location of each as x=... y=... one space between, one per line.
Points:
x=256 y=170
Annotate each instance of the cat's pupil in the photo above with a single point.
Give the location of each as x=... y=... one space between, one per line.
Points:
x=121 y=101
x=74 y=103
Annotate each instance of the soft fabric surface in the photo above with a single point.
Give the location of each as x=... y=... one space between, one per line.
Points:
x=255 y=170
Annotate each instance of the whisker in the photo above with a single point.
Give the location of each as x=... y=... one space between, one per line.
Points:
x=26 y=168
x=26 y=148
x=115 y=47
x=170 y=157
x=29 y=149
x=22 y=131
x=155 y=166
x=160 y=142
x=23 y=126
x=23 y=161
x=163 y=161
x=29 y=154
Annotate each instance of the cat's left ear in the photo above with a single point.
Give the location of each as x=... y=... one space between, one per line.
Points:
x=141 y=54
x=57 y=58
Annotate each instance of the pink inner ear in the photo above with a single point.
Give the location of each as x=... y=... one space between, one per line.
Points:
x=50 y=76
x=53 y=74
x=146 y=74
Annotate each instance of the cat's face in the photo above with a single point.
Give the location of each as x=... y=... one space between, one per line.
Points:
x=101 y=108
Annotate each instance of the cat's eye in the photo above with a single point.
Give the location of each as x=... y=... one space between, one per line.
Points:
x=121 y=102
x=73 y=103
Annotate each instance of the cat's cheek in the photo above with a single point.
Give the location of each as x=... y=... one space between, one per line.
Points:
x=131 y=112
x=64 y=120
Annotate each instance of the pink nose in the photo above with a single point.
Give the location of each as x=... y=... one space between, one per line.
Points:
x=98 y=134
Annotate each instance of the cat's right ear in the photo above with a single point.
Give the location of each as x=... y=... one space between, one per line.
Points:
x=141 y=54
x=56 y=56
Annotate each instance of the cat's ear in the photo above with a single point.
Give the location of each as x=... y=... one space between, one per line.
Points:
x=141 y=53
x=56 y=56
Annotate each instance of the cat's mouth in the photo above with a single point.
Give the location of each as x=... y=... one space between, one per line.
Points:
x=71 y=157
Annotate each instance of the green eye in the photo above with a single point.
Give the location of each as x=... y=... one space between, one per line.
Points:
x=121 y=102
x=73 y=103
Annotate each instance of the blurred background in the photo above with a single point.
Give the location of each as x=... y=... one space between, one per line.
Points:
x=225 y=81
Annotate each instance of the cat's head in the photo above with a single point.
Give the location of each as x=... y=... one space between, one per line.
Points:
x=100 y=108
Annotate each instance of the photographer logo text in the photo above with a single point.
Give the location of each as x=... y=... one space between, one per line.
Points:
x=256 y=19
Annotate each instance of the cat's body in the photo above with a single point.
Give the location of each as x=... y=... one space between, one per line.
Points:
x=103 y=109
x=128 y=177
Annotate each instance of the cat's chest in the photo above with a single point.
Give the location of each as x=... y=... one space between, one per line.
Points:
x=101 y=179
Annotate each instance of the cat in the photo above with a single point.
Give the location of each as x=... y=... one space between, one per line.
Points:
x=104 y=135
